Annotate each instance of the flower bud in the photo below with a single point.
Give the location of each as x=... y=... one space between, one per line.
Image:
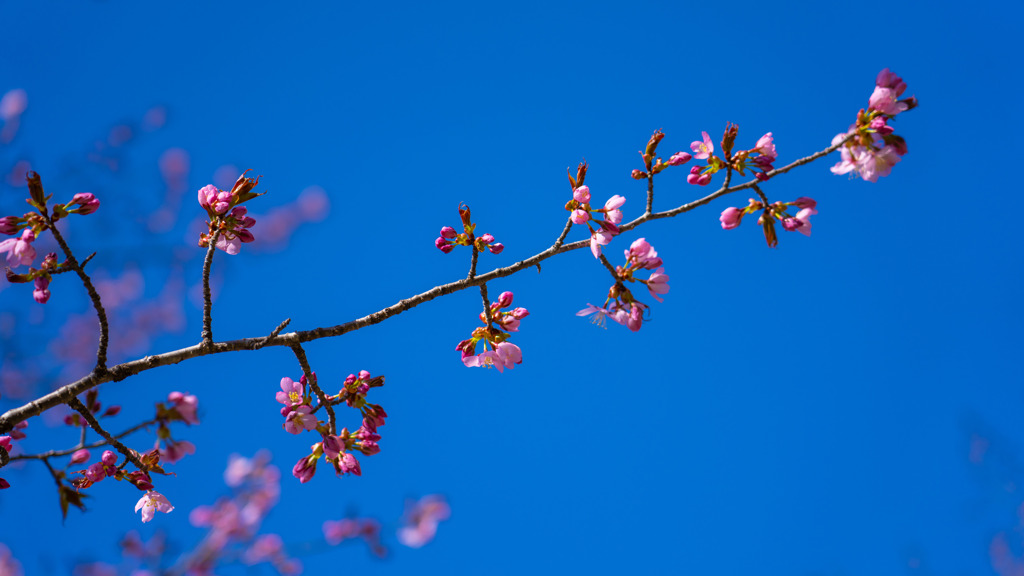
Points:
x=679 y=158
x=582 y=194
x=486 y=238
x=109 y=458
x=652 y=144
x=9 y=225
x=80 y=456
x=731 y=218
x=580 y=216
x=448 y=233
x=638 y=174
x=496 y=248
x=505 y=299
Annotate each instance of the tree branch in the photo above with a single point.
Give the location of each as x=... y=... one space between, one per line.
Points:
x=60 y=396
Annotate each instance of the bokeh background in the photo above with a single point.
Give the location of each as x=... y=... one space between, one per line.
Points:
x=848 y=403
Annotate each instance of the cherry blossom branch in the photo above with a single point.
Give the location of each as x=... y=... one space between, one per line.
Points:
x=117 y=373
x=101 y=351
x=128 y=453
x=97 y=444
x=207 y=299
x=300 y=355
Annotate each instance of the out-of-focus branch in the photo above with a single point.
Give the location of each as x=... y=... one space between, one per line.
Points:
x=97 y=444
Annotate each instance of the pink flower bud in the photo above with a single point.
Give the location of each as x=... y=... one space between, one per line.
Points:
x=87 y=201
x=638 y=174
x=449 y=233
x=9 y=225
x=109 y=458
x=580 y=216
x=80 y=456
x=731 y=218
x=581 y=194
x=520 y=313
x=704 y=180
x=245 y=235
x=239 y=212
x=364 y=375
x=791 y=224
x=505 y=300
x=804 y=202
x=207 y=194
x=496 y=248
x=441 y=243
x=41 y=293
x=486 y=238
x=679 y=158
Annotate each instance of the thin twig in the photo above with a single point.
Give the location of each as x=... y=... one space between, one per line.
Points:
x=609 y=266
x=96 y=444
x=650 y=191
x=487 y=305
x=101 y=349
x=565 y=232
x=300 y=355
x=129 y=454
x=35 y=407
x=263 y=342
x=207 y=300
x=472 y=261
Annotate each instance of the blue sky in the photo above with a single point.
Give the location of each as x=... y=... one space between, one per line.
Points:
x=805 y=410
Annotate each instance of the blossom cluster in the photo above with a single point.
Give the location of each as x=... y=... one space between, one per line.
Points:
x=28 y=228
x=421 y=519
x=581 y=212
x=366 y=529
x=235 y=521
x=621 y=306
x=871 y=149
x=498 y=323
x=335 y=448
x=654 y=164
x=180 y=407
x=801 y=222
x=228 y=218
x=449 y=238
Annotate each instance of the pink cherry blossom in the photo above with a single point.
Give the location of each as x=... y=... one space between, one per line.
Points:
x=185 y=405
x=214 y=199
x=291 y=392
x=598 y=238
x=80 y=456
x=599 y=314
x=731 y=218
x=333 y=446
x=766 y=147
x=175 y=451
x=300 y=419
x=887 y=79
x=885 y=101
x=702 y=150
x=642 y=253
x=804 y=216
x=485 y=359
x=5 y=441
x=872 y=164
x=19 y=250
x=347 y=464
x=581 y=194
x=611 y=207
x=509 y=354
x=152 y=503
x=580 y=216
x=421 y=521
x=658 y=284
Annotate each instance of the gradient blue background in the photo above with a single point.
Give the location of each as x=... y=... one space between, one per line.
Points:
x=806 y=410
